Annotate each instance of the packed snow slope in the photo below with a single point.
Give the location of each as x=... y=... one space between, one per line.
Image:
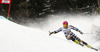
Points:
x=18 y=38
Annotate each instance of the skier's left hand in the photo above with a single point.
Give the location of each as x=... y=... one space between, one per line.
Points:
x=81 y=32
x=50 y=33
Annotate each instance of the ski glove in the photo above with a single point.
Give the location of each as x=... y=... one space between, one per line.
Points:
x=51 y=33
x=81 y=32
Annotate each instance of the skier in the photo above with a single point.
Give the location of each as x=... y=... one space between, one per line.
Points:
x=70 y=35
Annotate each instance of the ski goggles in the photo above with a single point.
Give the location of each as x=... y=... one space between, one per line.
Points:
x=65 y=25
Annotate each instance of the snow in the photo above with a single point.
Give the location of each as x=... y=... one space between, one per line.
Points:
x=18 y=38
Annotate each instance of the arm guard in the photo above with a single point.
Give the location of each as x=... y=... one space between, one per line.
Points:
x=74 y=28
x=58 y=30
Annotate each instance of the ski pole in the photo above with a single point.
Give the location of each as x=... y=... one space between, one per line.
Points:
x=87 y=33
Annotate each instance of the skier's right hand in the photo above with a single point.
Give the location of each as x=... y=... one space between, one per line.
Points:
x=51 y=33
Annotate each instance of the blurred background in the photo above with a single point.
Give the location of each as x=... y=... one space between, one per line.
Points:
x=23 y=10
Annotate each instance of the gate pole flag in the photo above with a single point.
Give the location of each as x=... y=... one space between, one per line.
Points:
x=6 y=2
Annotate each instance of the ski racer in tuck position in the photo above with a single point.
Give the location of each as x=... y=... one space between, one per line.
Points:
x=70 y=35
